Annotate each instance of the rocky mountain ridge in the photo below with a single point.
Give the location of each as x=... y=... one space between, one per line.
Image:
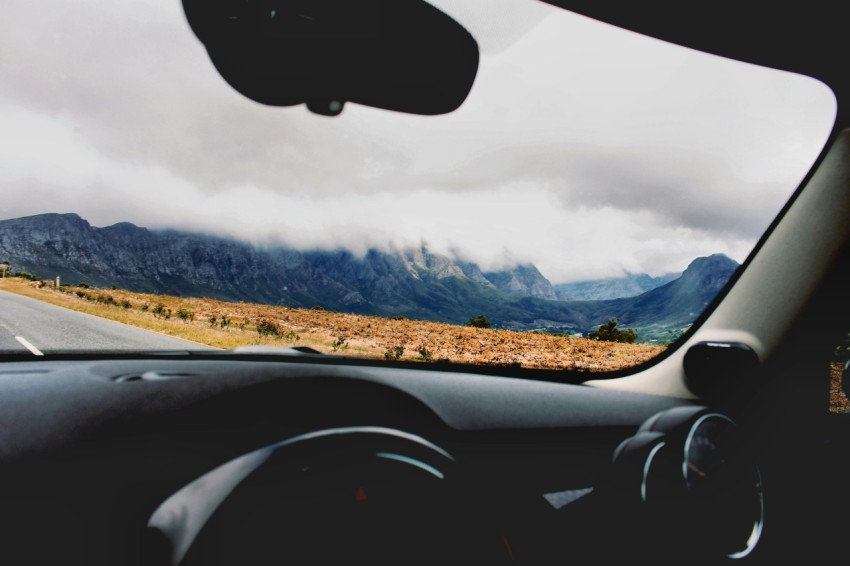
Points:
x=415 y=283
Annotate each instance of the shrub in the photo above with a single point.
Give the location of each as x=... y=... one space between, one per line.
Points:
x=339 y=343
x=185 y=315
x=425 y=355
x=610 y=333
x=224 y=322
x=479 y=321
x=212 y=320
x=290 y=335
x=158 y=310
x=399 y=317
x=394 y=352
x=266 y=327
x=125 y=304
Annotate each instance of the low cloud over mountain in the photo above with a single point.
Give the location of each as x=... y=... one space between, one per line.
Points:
x=413 y=282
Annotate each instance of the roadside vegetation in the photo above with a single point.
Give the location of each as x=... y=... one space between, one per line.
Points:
x=611 y=333
x=227 y=325
x=838 y=402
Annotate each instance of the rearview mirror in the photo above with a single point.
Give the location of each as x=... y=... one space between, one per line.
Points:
x=402 y=55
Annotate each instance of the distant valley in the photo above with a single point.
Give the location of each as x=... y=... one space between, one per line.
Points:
x=630 y=285
x=413 y=282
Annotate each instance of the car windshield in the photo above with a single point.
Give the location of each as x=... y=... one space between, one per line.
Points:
x=580 y=210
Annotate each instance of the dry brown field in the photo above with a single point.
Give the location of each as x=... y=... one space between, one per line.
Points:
x=200 y=320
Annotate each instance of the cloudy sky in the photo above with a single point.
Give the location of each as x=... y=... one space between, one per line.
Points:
x=585 y=150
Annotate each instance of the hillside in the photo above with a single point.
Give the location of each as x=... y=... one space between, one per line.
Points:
x=412 y=282
x=665 y=311
x=200 y=320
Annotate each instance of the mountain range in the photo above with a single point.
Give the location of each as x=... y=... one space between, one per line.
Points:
x=411 y=282
x=630 y=285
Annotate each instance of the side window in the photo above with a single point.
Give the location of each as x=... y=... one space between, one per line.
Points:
x=838 y=402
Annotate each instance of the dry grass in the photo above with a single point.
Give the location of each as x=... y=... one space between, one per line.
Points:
x=337 y=333
x=838 y=402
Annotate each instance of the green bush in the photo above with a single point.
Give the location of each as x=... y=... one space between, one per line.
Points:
x=610 y=333
x=479 y=321
x=223 y=322
x=185 y=315
x=266 y=327
x=394 y=352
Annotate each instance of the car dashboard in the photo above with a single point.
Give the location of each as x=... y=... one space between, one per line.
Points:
x=261 y=458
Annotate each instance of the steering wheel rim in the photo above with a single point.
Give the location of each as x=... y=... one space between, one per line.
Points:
x=263 y=489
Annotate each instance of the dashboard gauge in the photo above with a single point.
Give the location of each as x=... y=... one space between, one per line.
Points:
x=694 y=482
x=704 y=453
x=724 y=484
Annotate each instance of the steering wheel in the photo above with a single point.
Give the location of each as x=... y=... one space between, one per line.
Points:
x=361 y=494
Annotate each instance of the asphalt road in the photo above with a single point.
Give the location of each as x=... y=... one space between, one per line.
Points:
x=28 y=325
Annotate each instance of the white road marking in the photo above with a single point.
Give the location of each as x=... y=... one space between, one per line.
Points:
x=29 y=346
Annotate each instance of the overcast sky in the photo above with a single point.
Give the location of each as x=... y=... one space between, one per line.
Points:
x=585 y=150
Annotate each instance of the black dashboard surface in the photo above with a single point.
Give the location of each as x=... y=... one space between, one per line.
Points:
x=91 y=448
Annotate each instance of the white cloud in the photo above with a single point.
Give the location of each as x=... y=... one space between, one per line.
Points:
x=114 y=112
